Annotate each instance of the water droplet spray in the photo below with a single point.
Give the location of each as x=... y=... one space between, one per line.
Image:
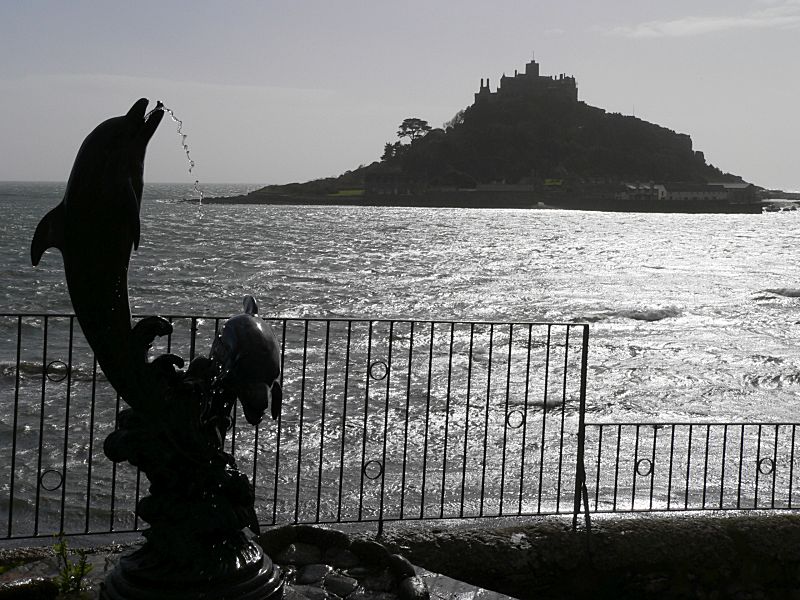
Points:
x=197 y=189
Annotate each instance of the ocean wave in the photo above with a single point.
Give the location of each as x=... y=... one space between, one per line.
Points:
x=650 y=314
x=786 y=292
x=771 y=382
x=635 y=314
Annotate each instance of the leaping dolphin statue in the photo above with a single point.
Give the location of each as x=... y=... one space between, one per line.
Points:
x=95 y=227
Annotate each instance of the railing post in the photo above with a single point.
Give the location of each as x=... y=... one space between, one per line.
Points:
x=581 y=493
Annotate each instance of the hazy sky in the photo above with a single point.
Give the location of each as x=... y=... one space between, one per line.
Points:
x=272 y=92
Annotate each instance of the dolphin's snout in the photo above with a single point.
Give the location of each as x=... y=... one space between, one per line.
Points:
x=136 y=113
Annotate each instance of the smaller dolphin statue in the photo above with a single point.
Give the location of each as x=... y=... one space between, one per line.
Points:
x=249 y=360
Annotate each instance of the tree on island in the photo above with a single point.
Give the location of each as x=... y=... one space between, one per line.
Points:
x=413 y=128
x=391 y=151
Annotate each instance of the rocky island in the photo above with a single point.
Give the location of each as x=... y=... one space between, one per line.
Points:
x=531 y=143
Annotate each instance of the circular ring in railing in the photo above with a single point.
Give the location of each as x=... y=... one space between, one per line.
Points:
x=379 y=370
x=373 y=469
x=515 y=419
x=766 y=466
x=51 y=480
x=647 y=464
x=57 y=371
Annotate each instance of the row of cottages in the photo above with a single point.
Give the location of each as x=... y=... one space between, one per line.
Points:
x=734 y=193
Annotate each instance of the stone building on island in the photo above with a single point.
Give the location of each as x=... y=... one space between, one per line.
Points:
x=530 y=84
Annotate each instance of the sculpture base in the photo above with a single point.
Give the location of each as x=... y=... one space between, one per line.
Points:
x=130 y=581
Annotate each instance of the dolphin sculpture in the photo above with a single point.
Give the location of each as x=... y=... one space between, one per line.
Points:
x=95 y=227
x=249 y=359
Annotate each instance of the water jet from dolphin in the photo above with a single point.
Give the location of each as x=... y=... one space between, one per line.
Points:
x=197 y=189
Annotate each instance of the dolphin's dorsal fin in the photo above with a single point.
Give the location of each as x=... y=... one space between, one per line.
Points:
x=250 y=306
x=49 y=234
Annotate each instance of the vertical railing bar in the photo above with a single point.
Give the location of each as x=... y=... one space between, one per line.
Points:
x=486 y=419
x=616 y=468
x=635 y=467
x=599 y=460
x=91 y=442
x=525 y=418
x=405 y=426
x=505 y=420
x=41 y=426
x=671 y=462
x=447 y=416
x=192 y=338
x=774 y=466
x=466 y=416
x=741 y=458
x=14 y=428
x=114 y=473
x=722 y=474
x=344 y=416
x=791 y=467
x=705 y=465
x=653 y=466
x=688 y=467
x=278 y=430
x=322 y=417
x=66 y=424
x=563 y=419
x=169 y=337
x=366 y=415
x=256 y=431
x=544 y=415
x=386 y=424
x=581 y=491
x=427 y=424
x=300 y=425
x=758 y=467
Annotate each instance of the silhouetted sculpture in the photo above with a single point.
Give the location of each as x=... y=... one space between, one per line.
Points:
x=200 y=543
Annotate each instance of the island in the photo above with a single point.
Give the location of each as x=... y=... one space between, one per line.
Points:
x=531 y=143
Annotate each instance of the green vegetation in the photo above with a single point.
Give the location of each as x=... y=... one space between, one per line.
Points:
x=70 y=578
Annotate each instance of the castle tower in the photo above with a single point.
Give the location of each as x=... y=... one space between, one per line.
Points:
x=532 y=68
x=483 y=92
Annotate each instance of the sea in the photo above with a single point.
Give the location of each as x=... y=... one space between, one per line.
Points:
x=691 y=317
x=694 y=316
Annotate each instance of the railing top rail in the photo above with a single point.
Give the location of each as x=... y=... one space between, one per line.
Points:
x=328 y=319
x=665 y=424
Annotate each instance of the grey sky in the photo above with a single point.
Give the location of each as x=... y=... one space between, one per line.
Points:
x=272 y=92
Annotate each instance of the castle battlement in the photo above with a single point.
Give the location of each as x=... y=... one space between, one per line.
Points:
x=530 y=84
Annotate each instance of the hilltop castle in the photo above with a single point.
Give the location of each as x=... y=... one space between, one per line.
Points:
x=528 y=84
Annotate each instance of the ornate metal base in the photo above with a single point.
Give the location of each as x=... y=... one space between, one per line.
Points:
x=137 y=578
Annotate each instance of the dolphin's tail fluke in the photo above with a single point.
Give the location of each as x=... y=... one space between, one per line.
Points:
x=49 y=234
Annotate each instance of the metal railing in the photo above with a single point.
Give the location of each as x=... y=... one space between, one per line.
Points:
x=634 y=467
x=382 y=420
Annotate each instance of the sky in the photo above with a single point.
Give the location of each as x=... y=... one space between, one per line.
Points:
x=279 y=91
